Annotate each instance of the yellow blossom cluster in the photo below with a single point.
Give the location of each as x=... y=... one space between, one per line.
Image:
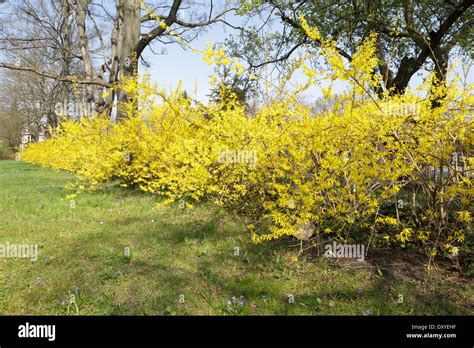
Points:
x=355 y=167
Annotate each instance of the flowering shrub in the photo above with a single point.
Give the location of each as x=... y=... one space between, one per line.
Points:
x=366 y=168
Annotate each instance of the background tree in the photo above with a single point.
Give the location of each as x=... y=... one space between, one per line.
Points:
x=105 y=40
x=233 y=85
x=412 y=35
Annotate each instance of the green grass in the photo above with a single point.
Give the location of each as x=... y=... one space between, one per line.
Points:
x=178 y=252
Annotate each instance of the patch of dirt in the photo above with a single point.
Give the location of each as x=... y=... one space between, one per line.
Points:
x=400 y=264
x=410 y=265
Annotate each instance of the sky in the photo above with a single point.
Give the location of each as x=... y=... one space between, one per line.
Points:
x=184 y=65
x=189 y=68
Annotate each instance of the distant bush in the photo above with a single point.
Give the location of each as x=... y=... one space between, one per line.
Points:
x=6 y=153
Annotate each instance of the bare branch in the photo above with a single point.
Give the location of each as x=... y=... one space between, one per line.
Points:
x=71 y=79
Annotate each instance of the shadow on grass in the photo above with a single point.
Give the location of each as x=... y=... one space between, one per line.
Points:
x=258 y=271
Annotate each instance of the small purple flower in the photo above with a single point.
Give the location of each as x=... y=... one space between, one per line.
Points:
x=241 y=302
x=77 y=289
x=368 y=312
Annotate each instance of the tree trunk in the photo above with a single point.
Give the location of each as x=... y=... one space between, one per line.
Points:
x=128 y=34
x=82 y=7
x=440 y=60
x=66 y=34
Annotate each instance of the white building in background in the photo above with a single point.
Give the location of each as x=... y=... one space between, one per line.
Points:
x=25 y=138
x=44 y=125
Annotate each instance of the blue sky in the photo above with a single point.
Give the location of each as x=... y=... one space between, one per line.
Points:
x=179 y=64
x=187 y=66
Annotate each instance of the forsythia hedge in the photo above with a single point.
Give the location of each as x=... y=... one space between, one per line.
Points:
x=385 y=169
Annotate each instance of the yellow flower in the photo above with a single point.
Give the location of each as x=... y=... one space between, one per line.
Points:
x=423 y=235
x=405 y=235
x=387 y=220
x=313 y=33
x=464 y=216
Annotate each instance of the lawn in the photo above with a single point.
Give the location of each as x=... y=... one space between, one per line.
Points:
x=187 y=261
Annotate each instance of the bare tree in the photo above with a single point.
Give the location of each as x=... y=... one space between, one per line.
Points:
x=98 y=44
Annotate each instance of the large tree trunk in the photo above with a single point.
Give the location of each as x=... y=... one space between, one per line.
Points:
x=440 y=60
x=128 y=34
x=82 y=7
x=66 y=59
